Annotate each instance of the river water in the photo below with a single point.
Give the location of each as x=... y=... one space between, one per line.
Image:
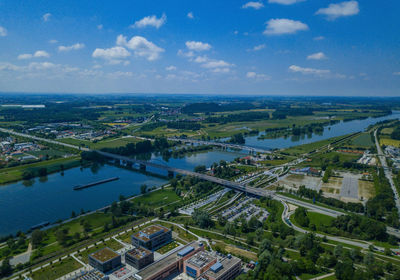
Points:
x=23 y=204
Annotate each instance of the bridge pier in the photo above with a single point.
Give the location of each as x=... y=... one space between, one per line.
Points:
x=170 y=174
x=142 y=167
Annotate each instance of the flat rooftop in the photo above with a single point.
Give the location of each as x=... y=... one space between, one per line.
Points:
x=138 y=253
x=226 y=263
x=104 y=255
x=201 y=259
x=163 y=263
x=147 y=232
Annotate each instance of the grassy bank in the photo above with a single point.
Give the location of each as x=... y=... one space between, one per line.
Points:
x=14 y=174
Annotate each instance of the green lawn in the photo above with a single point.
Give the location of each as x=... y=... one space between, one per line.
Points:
x=168 y=247
x=158 y=198
x=56 y=270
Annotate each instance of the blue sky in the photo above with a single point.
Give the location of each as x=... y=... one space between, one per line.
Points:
x=270 y=47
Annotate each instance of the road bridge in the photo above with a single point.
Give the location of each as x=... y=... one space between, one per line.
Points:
x=172 y=170
x=221 y=144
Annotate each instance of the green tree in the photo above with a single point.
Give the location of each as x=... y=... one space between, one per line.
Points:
x=37 y=238
x=143 y=189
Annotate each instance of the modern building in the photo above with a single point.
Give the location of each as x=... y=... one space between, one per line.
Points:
x=169 y=265
x=199 y=263
x=105 y=260
x=226 y=268
x=139 y=257
x=152 y=237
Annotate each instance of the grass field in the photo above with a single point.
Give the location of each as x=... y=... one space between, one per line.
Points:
x=56 y=270
x=108 y=143
x=14 y=174
x=387 y=130
x=158 y=198
x=306 y=148
x=363 y=140
x=319 y=219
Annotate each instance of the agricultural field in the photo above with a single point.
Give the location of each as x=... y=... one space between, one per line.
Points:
x=384 y=141
x=363 y=140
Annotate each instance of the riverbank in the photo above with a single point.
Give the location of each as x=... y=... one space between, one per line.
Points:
x=15 y=174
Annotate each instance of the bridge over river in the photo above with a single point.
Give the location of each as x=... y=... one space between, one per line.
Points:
x=221 y=144
x=171 y=170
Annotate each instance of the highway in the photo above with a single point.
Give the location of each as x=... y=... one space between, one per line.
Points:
x=388 y=172
x=229 y=184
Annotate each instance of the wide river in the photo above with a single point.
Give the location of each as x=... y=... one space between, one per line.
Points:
x=23 y=204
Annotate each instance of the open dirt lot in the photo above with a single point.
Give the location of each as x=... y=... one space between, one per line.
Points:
x=294 y=181
x=366 y=189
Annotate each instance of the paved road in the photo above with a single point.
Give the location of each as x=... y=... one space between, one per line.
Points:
x=286 y=217
x=349 y=187
x=230 y=184
x=388 y=172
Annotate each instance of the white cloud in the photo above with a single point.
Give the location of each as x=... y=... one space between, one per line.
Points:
x=190 y=15
x=284 y=26
x=201 y=59
x=257 y=48
x=100 y=27
x=120 y=74
x=319 y=38
x=25 y=56
x=197 y=46
x=285 y=2
x=317 y=56
x=53 y=41
x=41 y=65
x=114 y=55
x=170 y=68
x=141 y=47
x=254 y=5
x=37 y=54
x=396 y=73
x=221 y=70
x=343 y=9
x=46 y=17
x=76 y=46
x=3 y=31
x=308 y=71
x=254 y=75
x=41 y=54
x=185 y=54
x=150 y=21
x=216 y=64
